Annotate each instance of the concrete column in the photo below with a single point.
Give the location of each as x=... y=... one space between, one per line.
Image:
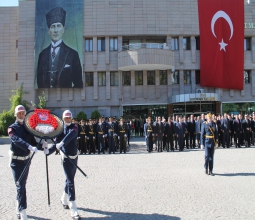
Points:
x=169 y=84
x=157 y=88
x=94 y=50
x=181 y=81
x=253 y=82
x=132 y=84
x=95 y=87
x=193 y=49
x=193 y=81
x=181 y=49
x=107 y=49
x=58 y=94
x=145 y=87
x=108 y=85
x=70 y=94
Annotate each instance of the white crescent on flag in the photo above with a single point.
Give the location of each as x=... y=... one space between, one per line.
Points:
x=222 y=14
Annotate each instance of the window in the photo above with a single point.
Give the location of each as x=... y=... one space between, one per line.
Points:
x=150 y=77
x=175 y=77
x=101 y=79
x=126 y=78
x=114 y=78
x=139 y=77
x=186 y=43
x=197 y=76
x=113 y=43
x=89 y=79
x=247 y=76
x=197 y=42
x=88 y=44
x=187 y=77
x=101 y=44
x=247 y=43
x=163 y=77
x=175 y=43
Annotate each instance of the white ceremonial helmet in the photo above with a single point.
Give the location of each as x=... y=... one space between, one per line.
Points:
x=19 y=108
x=67 y=113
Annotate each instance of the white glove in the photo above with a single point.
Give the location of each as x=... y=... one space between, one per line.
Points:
x=202 y=146
x=46 y=151
x=33 y=149
x=78 y=138
x=59 y=145
x=85 y=136
x=115 y=134
x=45 y=145
x=93 y=137
x=88 y=138
x=118 y=137
x=152 y=134
x=146 y=136
x=125 y=135
x=105 y=135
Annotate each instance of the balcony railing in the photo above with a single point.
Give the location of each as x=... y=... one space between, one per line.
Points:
x=138 y=46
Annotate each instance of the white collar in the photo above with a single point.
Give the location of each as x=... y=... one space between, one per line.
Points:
x=57 y=43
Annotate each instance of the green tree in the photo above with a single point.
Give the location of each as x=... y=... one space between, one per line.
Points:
x=81 y=115
x=7 y=117
x=229 y=107
x=42 y=101
x=95 y=114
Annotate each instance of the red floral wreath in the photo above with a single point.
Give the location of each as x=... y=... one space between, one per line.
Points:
x=42 y=116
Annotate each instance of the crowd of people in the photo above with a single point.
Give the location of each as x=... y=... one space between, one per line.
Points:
x=166 y=134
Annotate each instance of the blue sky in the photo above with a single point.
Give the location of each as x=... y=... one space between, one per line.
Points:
x=9 y=3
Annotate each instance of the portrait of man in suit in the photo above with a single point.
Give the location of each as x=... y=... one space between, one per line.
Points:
x=58 y=65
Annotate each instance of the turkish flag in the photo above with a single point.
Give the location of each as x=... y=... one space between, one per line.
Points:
x=221 y=25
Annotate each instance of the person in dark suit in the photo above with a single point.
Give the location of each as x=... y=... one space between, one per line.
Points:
x=180 y=133
x=252 y=129
x=169 y=133
x=58 y=65
x=101 y=132
x=246 y=130
x=209 y=140
x=122 y=136
x=159 y=134
x=225 y=128
x=185 y=123
x=192 y=131
x=149 y=133
x=237 y=128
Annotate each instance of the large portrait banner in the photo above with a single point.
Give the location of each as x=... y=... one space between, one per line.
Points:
x=59 y=44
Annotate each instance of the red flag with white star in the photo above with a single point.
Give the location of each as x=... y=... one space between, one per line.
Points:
x=221 y=25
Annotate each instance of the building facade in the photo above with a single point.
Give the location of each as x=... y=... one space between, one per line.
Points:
x=141 y=57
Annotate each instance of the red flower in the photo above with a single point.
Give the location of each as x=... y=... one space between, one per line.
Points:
x=42 y=116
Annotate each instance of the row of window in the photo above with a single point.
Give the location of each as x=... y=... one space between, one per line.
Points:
x=174 y=43
x=126 y=78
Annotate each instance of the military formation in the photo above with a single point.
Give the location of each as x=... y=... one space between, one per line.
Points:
x=98 y=136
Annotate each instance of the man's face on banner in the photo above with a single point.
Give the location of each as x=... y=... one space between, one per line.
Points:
x=56 y=31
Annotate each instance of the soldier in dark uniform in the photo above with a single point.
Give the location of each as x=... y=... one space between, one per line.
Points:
x=246 y=125
x=22 y=143
x=169 y=133
x=101 y=132
x=82 y=139
x=67 y=140
x=149 y=134
x=252 y=129
x=112 y=136
x=122 y=136
x=209 y=140
x=225 y=128
x=91 y=137
x=129 y=127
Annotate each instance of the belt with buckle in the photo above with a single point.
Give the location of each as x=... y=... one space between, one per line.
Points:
x=122 y=131
x=82 y=133
x=110 y=130
x=209 y=136
x=149 y=130
x=100 y=132
x=91 y=132
x=20 y=157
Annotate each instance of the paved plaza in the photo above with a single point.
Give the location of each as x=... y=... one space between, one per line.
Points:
x=139 y=185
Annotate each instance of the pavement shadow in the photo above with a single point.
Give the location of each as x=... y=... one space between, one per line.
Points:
x=234 y=174
x=30 y=217
x=122 y=215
